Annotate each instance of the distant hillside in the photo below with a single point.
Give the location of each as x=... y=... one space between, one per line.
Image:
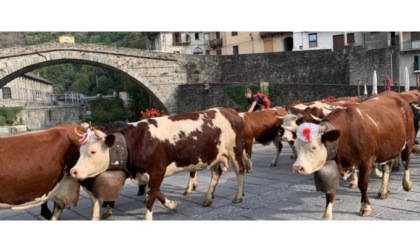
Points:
x=11 y=39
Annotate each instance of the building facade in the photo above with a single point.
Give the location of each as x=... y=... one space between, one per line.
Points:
x=27 y=90
x=180 y=42
x=335 y=41
x=232 y=43
x=410 y=57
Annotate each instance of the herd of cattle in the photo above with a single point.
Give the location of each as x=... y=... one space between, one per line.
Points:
x=330 y=139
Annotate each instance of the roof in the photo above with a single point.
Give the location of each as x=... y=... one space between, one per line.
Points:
x=35 y=77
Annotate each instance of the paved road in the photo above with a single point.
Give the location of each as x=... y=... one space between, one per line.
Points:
x=271 y=193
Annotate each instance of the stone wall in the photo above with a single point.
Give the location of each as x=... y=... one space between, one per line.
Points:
x=362 y=63
x=202 y=96
x=46 y=117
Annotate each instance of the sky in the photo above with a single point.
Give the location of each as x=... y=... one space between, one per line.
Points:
x=213 y=15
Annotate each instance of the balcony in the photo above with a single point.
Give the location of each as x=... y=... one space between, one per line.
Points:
x=411 y=45
x=270 y=34
x=215 y=43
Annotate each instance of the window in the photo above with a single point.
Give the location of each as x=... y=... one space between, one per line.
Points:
x=217 y=35
x=198 y=50
x=7 y=93
x=206 y=37
x=234 y=34
x=207 y=52
x=197 y=36
x=176 y=36
x=218 y=52
x=313 y=40
x=235 y=50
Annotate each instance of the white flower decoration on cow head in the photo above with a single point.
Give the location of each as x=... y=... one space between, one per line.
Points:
x=307 y=131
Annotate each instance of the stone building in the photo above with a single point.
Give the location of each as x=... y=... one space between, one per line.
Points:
x=27 y=90
x=232 y=43
x=180 y=42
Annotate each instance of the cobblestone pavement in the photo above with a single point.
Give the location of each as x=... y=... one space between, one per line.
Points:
x=271 y=193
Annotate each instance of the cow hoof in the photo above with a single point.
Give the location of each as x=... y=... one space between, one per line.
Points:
x=353 y=185
x=382 y=196
x=237 y=200
x=106 y=215
x=326 y=217
x=365 y=212
x=292 y=157
x=273 y=165
x=207 y=203
x=186 y=193
x=407 y=185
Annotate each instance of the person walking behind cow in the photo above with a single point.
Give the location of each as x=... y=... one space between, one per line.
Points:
x=258 y=101
x=253 y=100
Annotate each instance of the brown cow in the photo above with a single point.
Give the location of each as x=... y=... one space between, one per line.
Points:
x=356 y=137
x=162 y=146
x=33 y=168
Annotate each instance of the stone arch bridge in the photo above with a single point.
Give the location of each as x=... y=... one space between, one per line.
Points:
x=160 y=73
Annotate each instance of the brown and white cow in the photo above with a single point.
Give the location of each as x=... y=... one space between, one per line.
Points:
x=356 y=137
x=33 y=168
x=163 y=146
x=260 y=127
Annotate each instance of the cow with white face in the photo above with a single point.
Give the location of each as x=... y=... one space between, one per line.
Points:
x=163 y=146
x=356 y=137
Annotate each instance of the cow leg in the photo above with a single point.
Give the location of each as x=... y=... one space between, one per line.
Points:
x=108 y=210
x=378 y=173
x=45 y=211
x=58 y=210
x=354 y=179
x=192 y=183
x=239 y=170
x=383 y=192
x=364 y=173
x=248 y=150
x=329 y=205
x=279 y=146
x=215 y=175
x=141 y=190
x=291 y=143
x=396 y=164
x=154 y=184
x=167 y=203
x=405 y=157
x=247 y=162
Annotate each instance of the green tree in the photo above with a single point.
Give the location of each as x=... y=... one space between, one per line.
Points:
x=104 y=110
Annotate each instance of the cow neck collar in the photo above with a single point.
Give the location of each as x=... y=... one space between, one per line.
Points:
x=118 y=154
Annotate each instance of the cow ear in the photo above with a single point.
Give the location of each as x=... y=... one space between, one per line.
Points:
x=330 y=136
x=109 y=140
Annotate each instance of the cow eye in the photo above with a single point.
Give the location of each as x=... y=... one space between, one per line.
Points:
x=313 y=147
x=92 y=152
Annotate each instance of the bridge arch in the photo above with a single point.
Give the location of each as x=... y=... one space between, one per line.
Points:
x=159 y=73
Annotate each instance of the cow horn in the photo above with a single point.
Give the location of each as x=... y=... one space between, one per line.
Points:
x=84 y=125
x=415 y=106
x=98 y=135
x=77 y=133
x=316 y=118
x=323 y=128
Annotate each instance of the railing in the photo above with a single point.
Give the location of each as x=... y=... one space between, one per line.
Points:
x=411 y=45
x=214 y=43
